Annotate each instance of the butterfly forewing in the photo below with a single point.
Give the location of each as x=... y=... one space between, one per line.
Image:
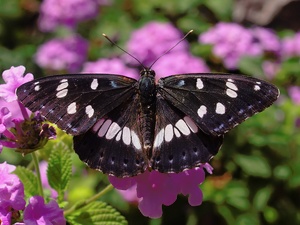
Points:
x=75 y=102
x=179 y=144
x=114 y=144
x=217 y=102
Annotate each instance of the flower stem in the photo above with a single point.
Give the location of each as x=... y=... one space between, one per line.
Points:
x=86 y=202
x=38 y=174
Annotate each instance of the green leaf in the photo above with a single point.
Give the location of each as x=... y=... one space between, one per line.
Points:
x=262 y=197
x=59 y=168
x=253 y=165
x=96 y=213
x=28 y=179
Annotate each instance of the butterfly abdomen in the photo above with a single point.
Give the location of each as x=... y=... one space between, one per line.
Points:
x=147 y=93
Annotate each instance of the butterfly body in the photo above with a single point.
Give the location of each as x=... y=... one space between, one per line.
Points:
x=124 y=126
x=146 y=114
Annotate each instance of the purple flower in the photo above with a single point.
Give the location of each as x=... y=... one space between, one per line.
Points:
x=231 y=42
x=110 y=66
x=5 y=217
x=62 y=53
x=54 y=13
x=11 y=191
x=291 y=46
x=152 y=40
x=17 y=129
x=270 y=68
x=13 y=78
x=267 y=39
x=179 y=63
x=155 y=189
x=294 y=93
x=37 y=212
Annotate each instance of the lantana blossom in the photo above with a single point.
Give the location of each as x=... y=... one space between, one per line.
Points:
x=152 y=40
x=17 y=129
x=13 y=78
x=68 y=53
x=11 y=193
x=154 y=189
x=110 y=66
x=179 y=62
x=232 y=41
x=37 y=212
x=69 y=13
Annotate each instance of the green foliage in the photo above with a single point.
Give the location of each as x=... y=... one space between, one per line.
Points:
x=96 y=213
x=59 y=168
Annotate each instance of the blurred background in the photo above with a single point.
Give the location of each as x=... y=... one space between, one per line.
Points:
x=256 y=177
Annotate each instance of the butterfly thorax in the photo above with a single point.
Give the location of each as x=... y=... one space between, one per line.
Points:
x=147 y=94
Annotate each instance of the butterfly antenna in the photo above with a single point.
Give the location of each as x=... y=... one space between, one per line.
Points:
x=166 y=52
x=115 y=44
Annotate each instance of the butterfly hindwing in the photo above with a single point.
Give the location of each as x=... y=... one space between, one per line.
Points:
x=179 y=144
x=217 y=102
x=74 y=102
x=114 y=144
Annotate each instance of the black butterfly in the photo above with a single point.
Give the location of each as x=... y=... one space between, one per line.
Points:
x=124 y=126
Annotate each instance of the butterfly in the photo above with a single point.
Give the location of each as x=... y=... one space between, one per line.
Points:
x=122 y=126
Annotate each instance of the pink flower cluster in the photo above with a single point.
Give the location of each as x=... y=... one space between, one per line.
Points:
x=12 y=201
x=13 y=114
x=232 y=41
x=154 y=189
x=60 y=54
x=54 y=13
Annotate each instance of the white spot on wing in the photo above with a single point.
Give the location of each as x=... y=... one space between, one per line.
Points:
x=231 y=86
x=199 y=83
x=71 y=108
x=94 y=84
x=176 y=132
x=98 y=124
x=193 y=127
x=159 y=138
x=126 y=135
x=220 y=108
x=89 y=111
x=112 y=131
x=181 y=125
x=136 y=141
x=62 y=93
x=169 y=134
x=231 y=93
x=62 y=86
x=256 y=87
x=230 y=80
x=104 y=128
x=118 y=138
x=202 y=111
x=37 y=87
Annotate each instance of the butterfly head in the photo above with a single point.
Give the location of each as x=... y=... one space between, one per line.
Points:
x=147 y=83
x=146 y=72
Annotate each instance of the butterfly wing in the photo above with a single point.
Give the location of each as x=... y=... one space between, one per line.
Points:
x=217 y=102
x=76 y=102
x=114 y=144
x=179 y=144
